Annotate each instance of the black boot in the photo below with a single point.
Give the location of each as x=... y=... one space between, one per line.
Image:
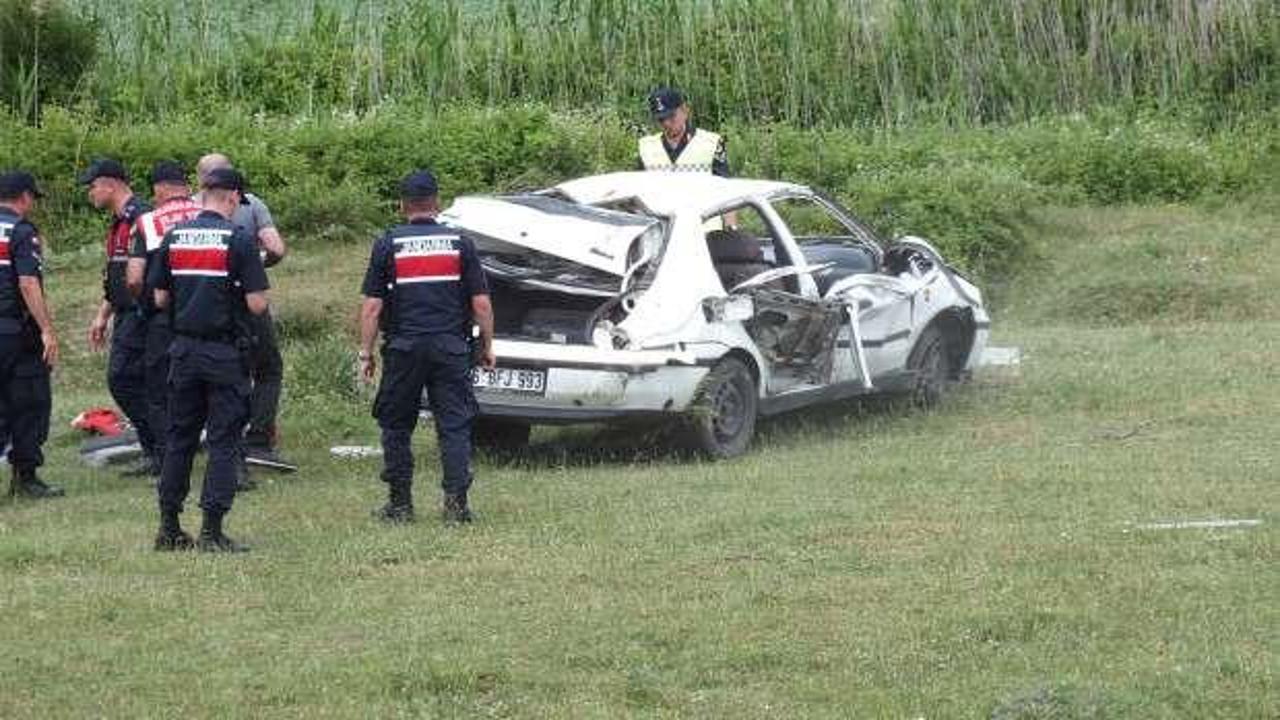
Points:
x=399 y=507
x=455 y=509
x=26 y=483
x=212 y=538
x=171 y=536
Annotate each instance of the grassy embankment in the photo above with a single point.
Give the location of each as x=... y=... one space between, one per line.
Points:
x=978 y=561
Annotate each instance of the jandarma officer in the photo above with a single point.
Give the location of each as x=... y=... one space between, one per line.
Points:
x=266 y=366
x=28 y=345
x=108 y=189
x=425 y=287
x=209 y=277
x=680 y=146
x=174 y=206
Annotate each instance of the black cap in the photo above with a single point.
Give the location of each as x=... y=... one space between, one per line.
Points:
x=14 y=183
x=419 y=184
x=663 y=102
x=104 y=167
x=226 y=179
x=168 y=171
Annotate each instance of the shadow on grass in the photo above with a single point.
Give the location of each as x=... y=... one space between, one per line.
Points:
x=669 y=442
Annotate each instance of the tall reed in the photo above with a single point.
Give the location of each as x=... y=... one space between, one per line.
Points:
x=807 y=62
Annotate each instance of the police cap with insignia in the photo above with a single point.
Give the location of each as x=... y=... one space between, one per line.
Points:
x=664 y=102
x=104 y=167
x=15 y=182
x=168 y=171
x=226 y=178
x=418 y=185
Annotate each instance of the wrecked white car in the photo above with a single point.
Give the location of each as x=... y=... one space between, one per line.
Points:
x=704 y=300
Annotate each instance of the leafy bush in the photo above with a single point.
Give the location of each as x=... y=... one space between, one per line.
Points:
x=334 y=179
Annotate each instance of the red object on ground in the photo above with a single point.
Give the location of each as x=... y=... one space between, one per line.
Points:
x=103 y=421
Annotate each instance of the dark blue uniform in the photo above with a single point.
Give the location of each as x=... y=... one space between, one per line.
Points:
x=207 y=265
x=148 y=233
x=425 y=274
x=126 y=364
x=25 y=401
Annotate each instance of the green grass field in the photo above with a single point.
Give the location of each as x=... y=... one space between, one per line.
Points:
x=983 y=560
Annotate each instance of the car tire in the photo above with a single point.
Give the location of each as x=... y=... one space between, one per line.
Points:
x=930 y=367
x=495 y=434
x=723 y=417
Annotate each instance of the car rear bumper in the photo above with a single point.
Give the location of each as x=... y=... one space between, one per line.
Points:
x=587 y=384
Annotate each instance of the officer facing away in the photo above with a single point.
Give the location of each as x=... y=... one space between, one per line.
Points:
x=174 y=207
x=209 y=277
x=680 y=146
x=266 y=365
x=28 y=345
x=108 y=189
x=424 y=287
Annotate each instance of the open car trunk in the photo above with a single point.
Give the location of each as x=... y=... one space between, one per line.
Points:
x=559 y=271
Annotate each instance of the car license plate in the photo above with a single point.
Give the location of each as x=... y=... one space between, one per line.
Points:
x=513 y=380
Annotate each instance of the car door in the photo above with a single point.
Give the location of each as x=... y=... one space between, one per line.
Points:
x=793 y=327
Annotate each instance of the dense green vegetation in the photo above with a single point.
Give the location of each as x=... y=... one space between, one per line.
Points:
x=968 y=189
x=946 y=119
x=807 y=62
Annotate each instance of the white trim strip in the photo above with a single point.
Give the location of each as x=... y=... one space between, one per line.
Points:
x=202 y=273
x=434 y=278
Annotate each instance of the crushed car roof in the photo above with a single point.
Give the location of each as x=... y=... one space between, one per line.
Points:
x=668 y=191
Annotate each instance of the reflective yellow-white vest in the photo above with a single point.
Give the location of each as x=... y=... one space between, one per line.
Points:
x=697 y=156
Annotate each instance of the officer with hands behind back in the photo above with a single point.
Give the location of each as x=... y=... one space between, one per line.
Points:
x=209 y=277
x=424 y=287
x=28 y=345
x=174 y=206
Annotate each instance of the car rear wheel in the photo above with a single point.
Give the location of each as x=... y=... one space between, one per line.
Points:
x=495 y=434
x=723 y=417
x=930 y=367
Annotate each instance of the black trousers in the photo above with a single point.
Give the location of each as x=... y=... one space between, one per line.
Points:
x=156 y=370
x=266 y=367
x=208 y=390
x=127 y=375
x=25 y=399
x=441 y=365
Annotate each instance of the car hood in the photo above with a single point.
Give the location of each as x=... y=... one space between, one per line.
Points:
x=599 y=239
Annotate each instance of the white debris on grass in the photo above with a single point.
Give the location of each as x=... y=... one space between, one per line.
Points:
x=355 y=451
x=1199 y=524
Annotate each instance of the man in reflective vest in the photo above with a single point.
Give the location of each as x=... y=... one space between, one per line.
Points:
x=424 y=287
x=28 y=346
x=174 y=207
x=107 y=184
x=680 y=147
x=209 y=277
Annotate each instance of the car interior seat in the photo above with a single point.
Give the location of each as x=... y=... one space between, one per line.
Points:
x=736 y=256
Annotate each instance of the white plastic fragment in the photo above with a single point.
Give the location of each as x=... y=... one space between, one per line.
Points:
x=355 y=451
x=1199 y=524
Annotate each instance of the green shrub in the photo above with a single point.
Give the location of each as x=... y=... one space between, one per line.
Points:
x=968 y=190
